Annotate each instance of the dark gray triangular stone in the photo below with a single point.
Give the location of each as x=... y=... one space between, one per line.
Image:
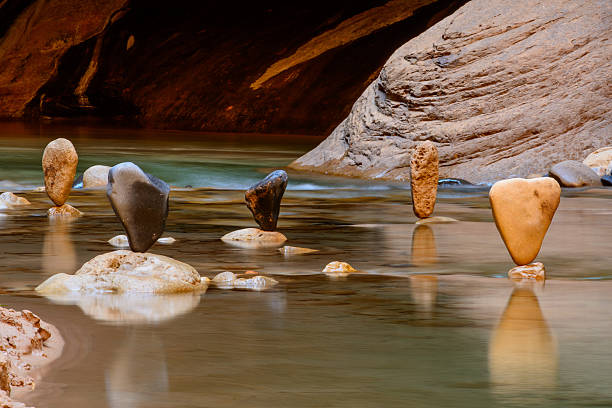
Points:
x=264 y=199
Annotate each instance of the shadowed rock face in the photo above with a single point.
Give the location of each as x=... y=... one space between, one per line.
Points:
x=273 y=67
x=501 y=88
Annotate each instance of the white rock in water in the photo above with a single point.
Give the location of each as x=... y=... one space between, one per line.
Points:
x=224 y=278
x=254 y=238
x=436 y=220
x=338 y=268
x=125 y=271
x=96 y=176
x=291 y=250
x=166 y=241
x=121 y=241
x=532 y=271
x=255 y=283
x=13 y=200
x=65 y=210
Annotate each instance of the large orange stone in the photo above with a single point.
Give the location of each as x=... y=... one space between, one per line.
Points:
x=523 y=210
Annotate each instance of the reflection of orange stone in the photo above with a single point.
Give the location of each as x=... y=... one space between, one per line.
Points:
x=522 y=351
x=533 y=271
x=423 y=246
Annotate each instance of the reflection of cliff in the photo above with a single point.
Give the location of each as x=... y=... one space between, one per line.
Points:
x=281 y=66
x=522 y=351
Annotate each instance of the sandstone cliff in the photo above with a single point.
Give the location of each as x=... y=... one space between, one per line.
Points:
x=501 y=88
x=275 y=66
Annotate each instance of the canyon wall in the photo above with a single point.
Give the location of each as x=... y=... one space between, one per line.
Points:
x=502 y=88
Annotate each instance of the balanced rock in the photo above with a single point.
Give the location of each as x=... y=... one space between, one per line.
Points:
x=59 y=165
x=424 y=179
x=523 y=210
x=124 y=271
x=141 y=203
x=606 y=180
x=96 y=176
x=65 y=210
x=572 y=173
x=13 y=200
x=264 y=199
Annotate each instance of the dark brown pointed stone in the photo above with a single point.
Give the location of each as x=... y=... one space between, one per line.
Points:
x=264 y=199
x=141 y=203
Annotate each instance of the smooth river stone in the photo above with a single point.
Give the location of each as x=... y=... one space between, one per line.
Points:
x=523 y=210
x=59 y=163
x=338 y=268
x=599 y=158
x=572 y=173
x=424 y=178
x=124 y=271
x=141 y=203
x=292 y=250
x=13 y=200
x=96 y=176
x=264 y=199
x=532 y=271
x=65 y=210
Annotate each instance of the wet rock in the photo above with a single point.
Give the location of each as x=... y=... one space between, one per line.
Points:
x=26 y=344
x=532 y=271
x=13 y=200
x=436 y=220
x=338 y=268
x=141 y=203
x=600 y=158
x=121 y=241
x=65 y=210
x=59 y=165
x=572 y=173
x=255 y=237
x=606 y=180
x=229 y=280
x=467 y=82
x=291 y=250
x=96 y=176
x=78 y=182
x=523 y=210
x=224 y=278
x=264 y=199
x=424 y=178
x=125 y=271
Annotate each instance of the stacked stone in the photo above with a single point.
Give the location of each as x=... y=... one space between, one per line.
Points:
x=523 y=210
x=424 y=179
x=59 y=163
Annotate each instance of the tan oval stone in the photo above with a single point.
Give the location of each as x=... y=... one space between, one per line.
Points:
x=96 y=176
x=424 y=178
x=59 y=164
x=523 y=210
x=254 y=238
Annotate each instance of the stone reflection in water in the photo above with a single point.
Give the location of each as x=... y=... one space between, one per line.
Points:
x=59 y=255
x=138 y=372
x=424 y=291
x=522 y=351
x=424 y=250
x=130 y=308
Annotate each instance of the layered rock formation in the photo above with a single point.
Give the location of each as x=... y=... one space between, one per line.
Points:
x=501 y=88
x=274 y=67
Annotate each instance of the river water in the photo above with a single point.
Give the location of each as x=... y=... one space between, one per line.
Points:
x=431 y=319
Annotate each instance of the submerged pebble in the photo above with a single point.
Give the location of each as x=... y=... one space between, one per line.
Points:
x=436 y=220
x=291 y=250
x=121 y=241
x=229 y=280
x=338 y=268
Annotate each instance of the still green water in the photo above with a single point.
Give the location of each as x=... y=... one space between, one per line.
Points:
x=430 y=320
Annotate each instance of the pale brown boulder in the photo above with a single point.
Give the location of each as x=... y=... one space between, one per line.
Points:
x=59 y=163
x=96 y=176
x=572 y=173
x=523 y=210
x=502 y=88
x=13 y=200
x=338 y=268
x=600 y=161
x=424 y=179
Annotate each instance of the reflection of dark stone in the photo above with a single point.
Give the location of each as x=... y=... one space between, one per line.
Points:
x=141 y=203
x=606 y=180
x=78 y=182
x=264 y=198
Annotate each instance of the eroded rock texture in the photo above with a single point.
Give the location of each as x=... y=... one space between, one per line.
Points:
x=501 y=88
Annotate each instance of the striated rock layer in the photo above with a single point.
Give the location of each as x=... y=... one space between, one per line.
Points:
x=501 y=88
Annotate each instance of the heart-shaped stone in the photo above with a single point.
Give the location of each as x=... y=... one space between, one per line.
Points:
x=59 y=163
x=523 y=210
x=141 y=203
x=264 y=199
